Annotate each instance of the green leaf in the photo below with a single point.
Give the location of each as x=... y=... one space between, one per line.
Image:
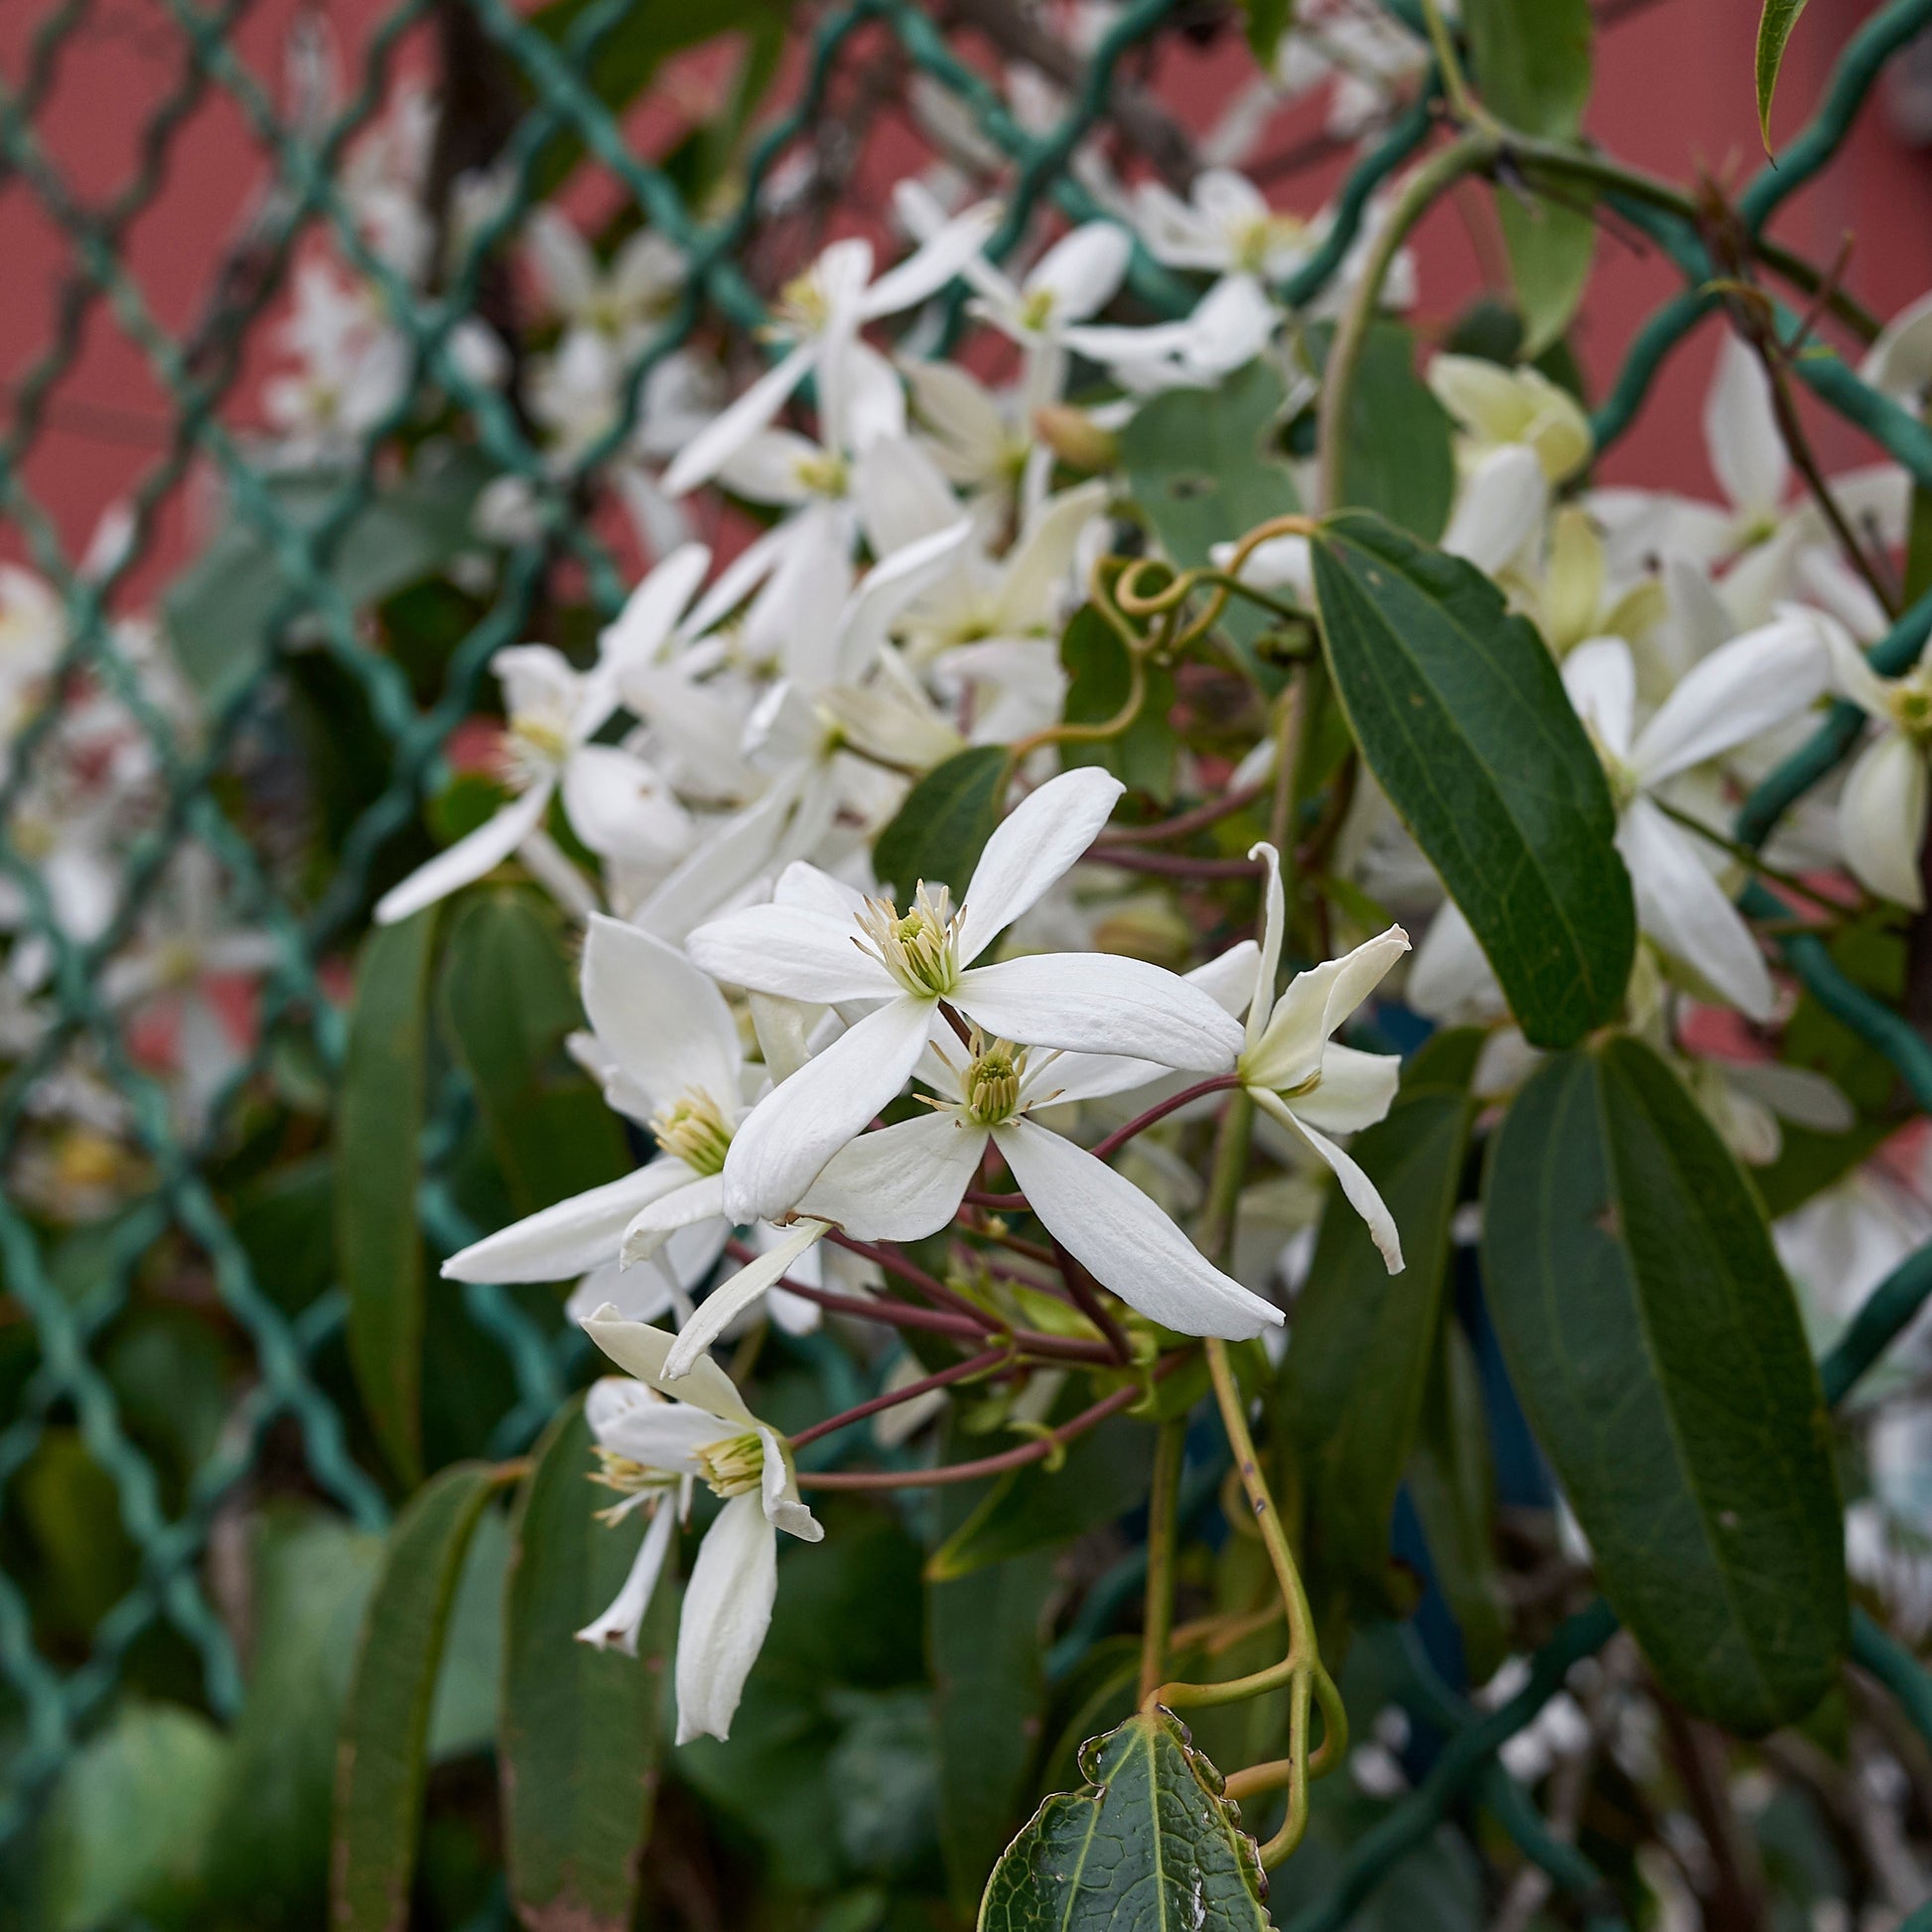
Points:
x=1461 y=713
x=379 y=1122
x=941 y=829
x=385 y=1729
x=1659 y=1354
x=1532 y=62
x=1398 y=459
x=1099 y=677
x=1196 y=464
x=1105 y=1472
x=1452 y=1481
x=1775 y=27
x=508 y=999
x=222 y=612
x=1267 y=21
x=1351 y=1388
x=1150 y=1844
x=579 y=1739
x=1551 y=249
x=984 y=1644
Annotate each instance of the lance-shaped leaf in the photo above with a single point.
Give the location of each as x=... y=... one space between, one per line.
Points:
x=1659 y=1354
x=1775 y=27
x=577 y=1745
x=378 y=1121
x=941 y=829
x=1461 y=716
x=1149 y=1846
x=386 y=1728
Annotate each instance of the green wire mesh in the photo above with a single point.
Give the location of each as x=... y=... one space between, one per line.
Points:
x=199 y=373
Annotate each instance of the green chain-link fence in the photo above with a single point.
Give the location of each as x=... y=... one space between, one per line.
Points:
x=555 y=59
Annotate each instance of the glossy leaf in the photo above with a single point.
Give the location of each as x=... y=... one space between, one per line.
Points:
x=1398 y=459
x=1150 y=1844
x=379 y=1122
x=579 y=1739
x=1461 y=716
x=1351 y=1387
x=1532 y=62
x=385 y=1729
x=508 y=999
x=1551 y=249
x=1659 y=1354
x=1775 y=27
x=941 y=829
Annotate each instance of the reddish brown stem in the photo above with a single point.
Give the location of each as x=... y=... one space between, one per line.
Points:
x=1171 y=865
x=887 y=1258
x=1161 y=1110
x=938 y=1379
x=1186 y=823
x=1087 y=1294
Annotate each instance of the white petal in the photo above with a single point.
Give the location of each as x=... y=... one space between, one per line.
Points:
x=798 y=1126
x=729 y=1299
x=792 y=950
x=703 y=1199
x=725 y=435
x=1355 y=1090
x=901 y=495
x=1740 y=428
x=1115 y=1231
x=622 y=809
x=1797 y=1094
x=1500 y=510
x=1038 y=564
x=1684 y=909
x=1032 y=848
x=1743 y=688
x=888 y=587
x=779 y=1492
x=935 y=263
x=467 y=861
x=652 y=610
x=1315 y=1004
x=569 y=1238
x=1855 y=678
x=618 y=1627
x=641 y=1351
x=1101 y=1002
x=1357 y=1189
x=1900 y=362
x=900 y=1184
x=1268 y=964
x=643 y=1294
x=1881 y=818
x=727 y=1612
x=1083 y=269
x=662 y=1020
x=1451 y=976
x=1600 y=677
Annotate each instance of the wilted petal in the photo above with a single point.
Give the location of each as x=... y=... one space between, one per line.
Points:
x=727 y=1612
x=779 y=1491
x=1035 y=846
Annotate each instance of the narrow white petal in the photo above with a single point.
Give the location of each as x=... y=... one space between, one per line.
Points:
x=1500 y=510
x=1357 y=1189
x=1315 y=1004
x=618 y=1627
x=900 y=1184
x=652 y=610
x=1740 y=428
x=622 y=808
x=569 y=1238
x=798 y=1126
x=1743 y=689
x=641 y=1351
x=1101 y=1002
x=1684 y=909
x=1881 y=818
x=1127 y=1244
x=1450 y=977
x=779 y=1492
x=941 y=256
x=1038 y=564
x=1030 y=850
x=727 y=1612
x=1274 y=916
x=662 y=1019
x=653 y=1225
x=1083 y=269
x=792 y=950
x=729 y=1299
x=725 y=435
x=467 y=861
x=1355 y=1090
x=1601 y=678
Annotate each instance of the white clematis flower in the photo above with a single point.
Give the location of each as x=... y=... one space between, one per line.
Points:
x=1881 y=813
x=705 y=1432
x=1495 y=407
x=1743 y=689
x=1296 y=1072
x=616 y=803
x=811 y=944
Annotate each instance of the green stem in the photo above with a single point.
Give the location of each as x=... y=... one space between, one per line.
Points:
x=1170 y=1451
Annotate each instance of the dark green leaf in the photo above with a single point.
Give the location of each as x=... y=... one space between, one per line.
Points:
x=1099 y=678
x=385 y=1729
x=1351 y=1388
x=379 y=1122
x=1532 y=62
x=940 y=830
x=506 y=1001
x=1660 y=1357
x=1398 y=459
x=1105 y=1472
x=578 y=1739
x=1461 y=716
x=1550 y=248
x=1775 y=27
x=1149 y=1846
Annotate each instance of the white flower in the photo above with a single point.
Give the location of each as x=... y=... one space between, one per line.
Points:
x=629 y=301
x=1224 y=227
x=1899 y=362
x=1881 y=813
x=1298 y=1074
x=1496 y=406
x=813 y=944
x=704 y=1432
x=617 y=804
x=1743 y=689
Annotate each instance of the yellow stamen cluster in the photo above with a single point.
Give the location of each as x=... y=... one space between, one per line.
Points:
x=1910 y=704
x=992 y=1082
x=633 y=1481
x=920 y=947
x=802 y=304
x=824 y=473
x=1254 y=242
x=735 y=1465
x=534 y=747
x=694 y=1129
x=1036 y=309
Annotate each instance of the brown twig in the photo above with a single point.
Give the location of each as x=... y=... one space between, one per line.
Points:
x=940 y=1378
